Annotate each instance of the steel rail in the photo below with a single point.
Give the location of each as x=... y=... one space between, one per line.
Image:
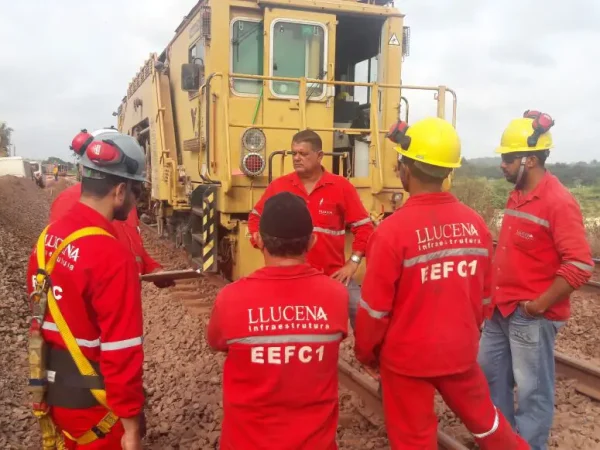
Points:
x=586 y=374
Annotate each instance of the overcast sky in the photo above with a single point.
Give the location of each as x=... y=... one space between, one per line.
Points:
x=66 y=65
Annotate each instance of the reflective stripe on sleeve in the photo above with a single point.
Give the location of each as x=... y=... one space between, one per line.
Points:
x=255 y=212
x=580 y=265
x=372 y=312
x=494 y=427
x=121 y=345
x=51 y=326
x=358 y=223
x=445 y=253
x=287 y=339
x=527 y=216
x=330 y=232
x=487 y=301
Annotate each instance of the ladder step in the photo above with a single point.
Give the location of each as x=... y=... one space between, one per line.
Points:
x=196 y=210
x=198 y=238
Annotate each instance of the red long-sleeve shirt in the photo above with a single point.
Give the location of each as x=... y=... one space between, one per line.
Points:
x=542 y=237
x=333 y=205
x=96 y=285
x=127 y=232
x=281 y=328
x=427 y=280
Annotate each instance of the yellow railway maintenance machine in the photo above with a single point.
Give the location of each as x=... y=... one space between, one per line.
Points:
x=217 y=109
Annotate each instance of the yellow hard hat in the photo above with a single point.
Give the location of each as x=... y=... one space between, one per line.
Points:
x=520 y=134
x=432 y=141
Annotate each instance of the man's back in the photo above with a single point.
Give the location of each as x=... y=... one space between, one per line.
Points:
x=432 y=263
x=282 y=327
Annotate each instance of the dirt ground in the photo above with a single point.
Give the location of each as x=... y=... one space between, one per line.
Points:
x=183 y=377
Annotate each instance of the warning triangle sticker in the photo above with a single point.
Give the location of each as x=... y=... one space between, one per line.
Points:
x=394 y=40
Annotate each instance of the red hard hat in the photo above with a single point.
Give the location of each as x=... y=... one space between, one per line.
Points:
x=81 y=141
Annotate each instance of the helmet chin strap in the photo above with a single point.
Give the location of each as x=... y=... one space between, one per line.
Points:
x=521 y=172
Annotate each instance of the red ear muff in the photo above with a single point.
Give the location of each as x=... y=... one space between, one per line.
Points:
x=81 y=141
x=397 y=134
x=542 y=123
x=107 y=153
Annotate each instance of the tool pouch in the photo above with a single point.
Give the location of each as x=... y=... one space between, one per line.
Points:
x=67 y=388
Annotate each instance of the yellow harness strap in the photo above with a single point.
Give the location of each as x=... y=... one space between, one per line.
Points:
x=82 y=363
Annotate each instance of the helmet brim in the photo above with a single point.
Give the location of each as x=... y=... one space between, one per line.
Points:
x=446 y=165
x=504 y=150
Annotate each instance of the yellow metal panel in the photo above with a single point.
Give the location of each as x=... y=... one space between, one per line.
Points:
x=333 y=6
x=187 y=106
x=246 y=258
x=287 y=112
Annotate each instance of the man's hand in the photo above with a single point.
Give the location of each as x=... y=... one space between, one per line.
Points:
x=164 y=283
x=374 y=373
x=131 y=440
x=346 y=273
x=532 y=309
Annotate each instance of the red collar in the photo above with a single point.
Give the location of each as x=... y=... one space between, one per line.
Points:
x=430 y=199
x=326 y=178
x=538 y=191
x=84 y=215
x=284 y=272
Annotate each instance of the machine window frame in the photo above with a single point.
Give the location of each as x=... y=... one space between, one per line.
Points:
x=325 y=54
x=231 y=25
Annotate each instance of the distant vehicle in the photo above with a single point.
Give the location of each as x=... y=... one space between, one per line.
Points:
x=37 y=169
x=16 y=166
x=62 y=170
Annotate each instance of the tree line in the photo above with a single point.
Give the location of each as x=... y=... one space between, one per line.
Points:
x=570 y=174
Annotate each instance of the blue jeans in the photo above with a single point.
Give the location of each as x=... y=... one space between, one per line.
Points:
x=520 y=350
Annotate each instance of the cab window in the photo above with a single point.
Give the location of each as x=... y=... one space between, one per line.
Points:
x=298 y=51
x=196 y=56
x=247 y=54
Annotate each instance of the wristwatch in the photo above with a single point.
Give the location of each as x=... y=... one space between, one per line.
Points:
x=355 y=258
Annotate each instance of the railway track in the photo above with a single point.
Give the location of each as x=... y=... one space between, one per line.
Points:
x=587 y=375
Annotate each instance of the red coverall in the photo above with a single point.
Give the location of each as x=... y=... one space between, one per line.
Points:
x=281 y=328
x=428 y=277
x=96 y=285
x=543 y=242
x=127 y=232
x=333 y=204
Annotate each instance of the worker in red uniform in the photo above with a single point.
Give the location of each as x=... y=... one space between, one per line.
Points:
x=333 y=203
x=542 y=256
x=426 y=283
x=281 y=328
x=96 y=286
x=127 y=231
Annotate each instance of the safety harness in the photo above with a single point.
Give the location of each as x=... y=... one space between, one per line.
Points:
x=41 y=298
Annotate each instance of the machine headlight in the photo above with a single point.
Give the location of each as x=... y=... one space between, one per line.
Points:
x=254 y=140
